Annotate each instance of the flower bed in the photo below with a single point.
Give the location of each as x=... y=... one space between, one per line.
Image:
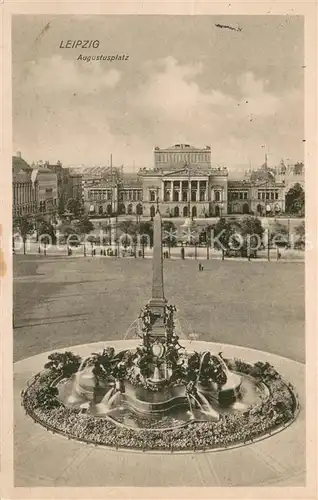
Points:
x=271 y=415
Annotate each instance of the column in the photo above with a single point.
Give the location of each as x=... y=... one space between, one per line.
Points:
x=157 y=297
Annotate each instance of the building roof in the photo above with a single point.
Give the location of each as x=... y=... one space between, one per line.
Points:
x=19 y=164
x=186 y=147
x=131 y=179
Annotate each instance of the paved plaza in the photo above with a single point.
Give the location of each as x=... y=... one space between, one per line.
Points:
x=66 y=301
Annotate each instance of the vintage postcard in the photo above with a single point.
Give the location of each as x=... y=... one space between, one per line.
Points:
x=158 y=213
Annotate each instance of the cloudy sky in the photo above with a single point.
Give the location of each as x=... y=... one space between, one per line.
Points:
x=186 y=80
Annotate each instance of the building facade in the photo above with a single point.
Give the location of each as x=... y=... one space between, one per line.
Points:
x=256 y=197
x=191 y=191
x=24 y=191
x=106 y=197
x=46 y=186
x=181 y=154
x=75 y=186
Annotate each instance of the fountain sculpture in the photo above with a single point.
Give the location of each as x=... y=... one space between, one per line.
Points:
x=156 y=385
x=158 y=376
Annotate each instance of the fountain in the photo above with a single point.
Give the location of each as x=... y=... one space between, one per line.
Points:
x=159 y=376
x=158 y=384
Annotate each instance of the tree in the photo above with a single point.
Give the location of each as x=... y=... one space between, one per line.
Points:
x=300 y=236
x=85 y=225
x=169 y=234
x=146 y=232
x=25 y=227
x=222 y=232
x=129 y=230
x=75 y=206
x=251 y=230
x=46 y=232
x=295 y=200
x=61 y=206
x=70 y=233
x=279 y=234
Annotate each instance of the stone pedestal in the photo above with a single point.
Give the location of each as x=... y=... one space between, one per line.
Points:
x=157 y=302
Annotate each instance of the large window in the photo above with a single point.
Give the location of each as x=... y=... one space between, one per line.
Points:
x=152 y=195
x=175 y=195
x=167 y=196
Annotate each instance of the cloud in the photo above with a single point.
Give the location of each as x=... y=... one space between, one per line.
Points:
x=58 y=75
x=255 y=100
x=165 y=102
x=171 y=92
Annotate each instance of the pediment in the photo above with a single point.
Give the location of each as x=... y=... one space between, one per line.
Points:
x=185 y=172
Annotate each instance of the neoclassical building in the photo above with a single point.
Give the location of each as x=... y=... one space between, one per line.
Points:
x=184 y=183
x=187 y=191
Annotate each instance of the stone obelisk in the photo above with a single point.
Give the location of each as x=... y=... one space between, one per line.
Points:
x=157 y=302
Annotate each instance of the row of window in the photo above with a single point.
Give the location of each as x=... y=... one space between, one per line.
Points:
x=106 y=195
x=24 y=209
x=185 y=184
x=23 y=193
x=267 y=195
x=176 y=211
x=238 y=195
x=135 y=195
x=122 y=209
x=184 y=196
x=182 y=157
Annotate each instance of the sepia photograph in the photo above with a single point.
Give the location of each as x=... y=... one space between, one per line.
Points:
x=158 y=249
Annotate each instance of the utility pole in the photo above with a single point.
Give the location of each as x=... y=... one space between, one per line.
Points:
x=189 y=192
x=266 y=179
x=268 y=232
x=111 y=182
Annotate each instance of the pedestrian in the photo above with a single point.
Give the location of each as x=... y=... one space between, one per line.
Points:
x=101 y=251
